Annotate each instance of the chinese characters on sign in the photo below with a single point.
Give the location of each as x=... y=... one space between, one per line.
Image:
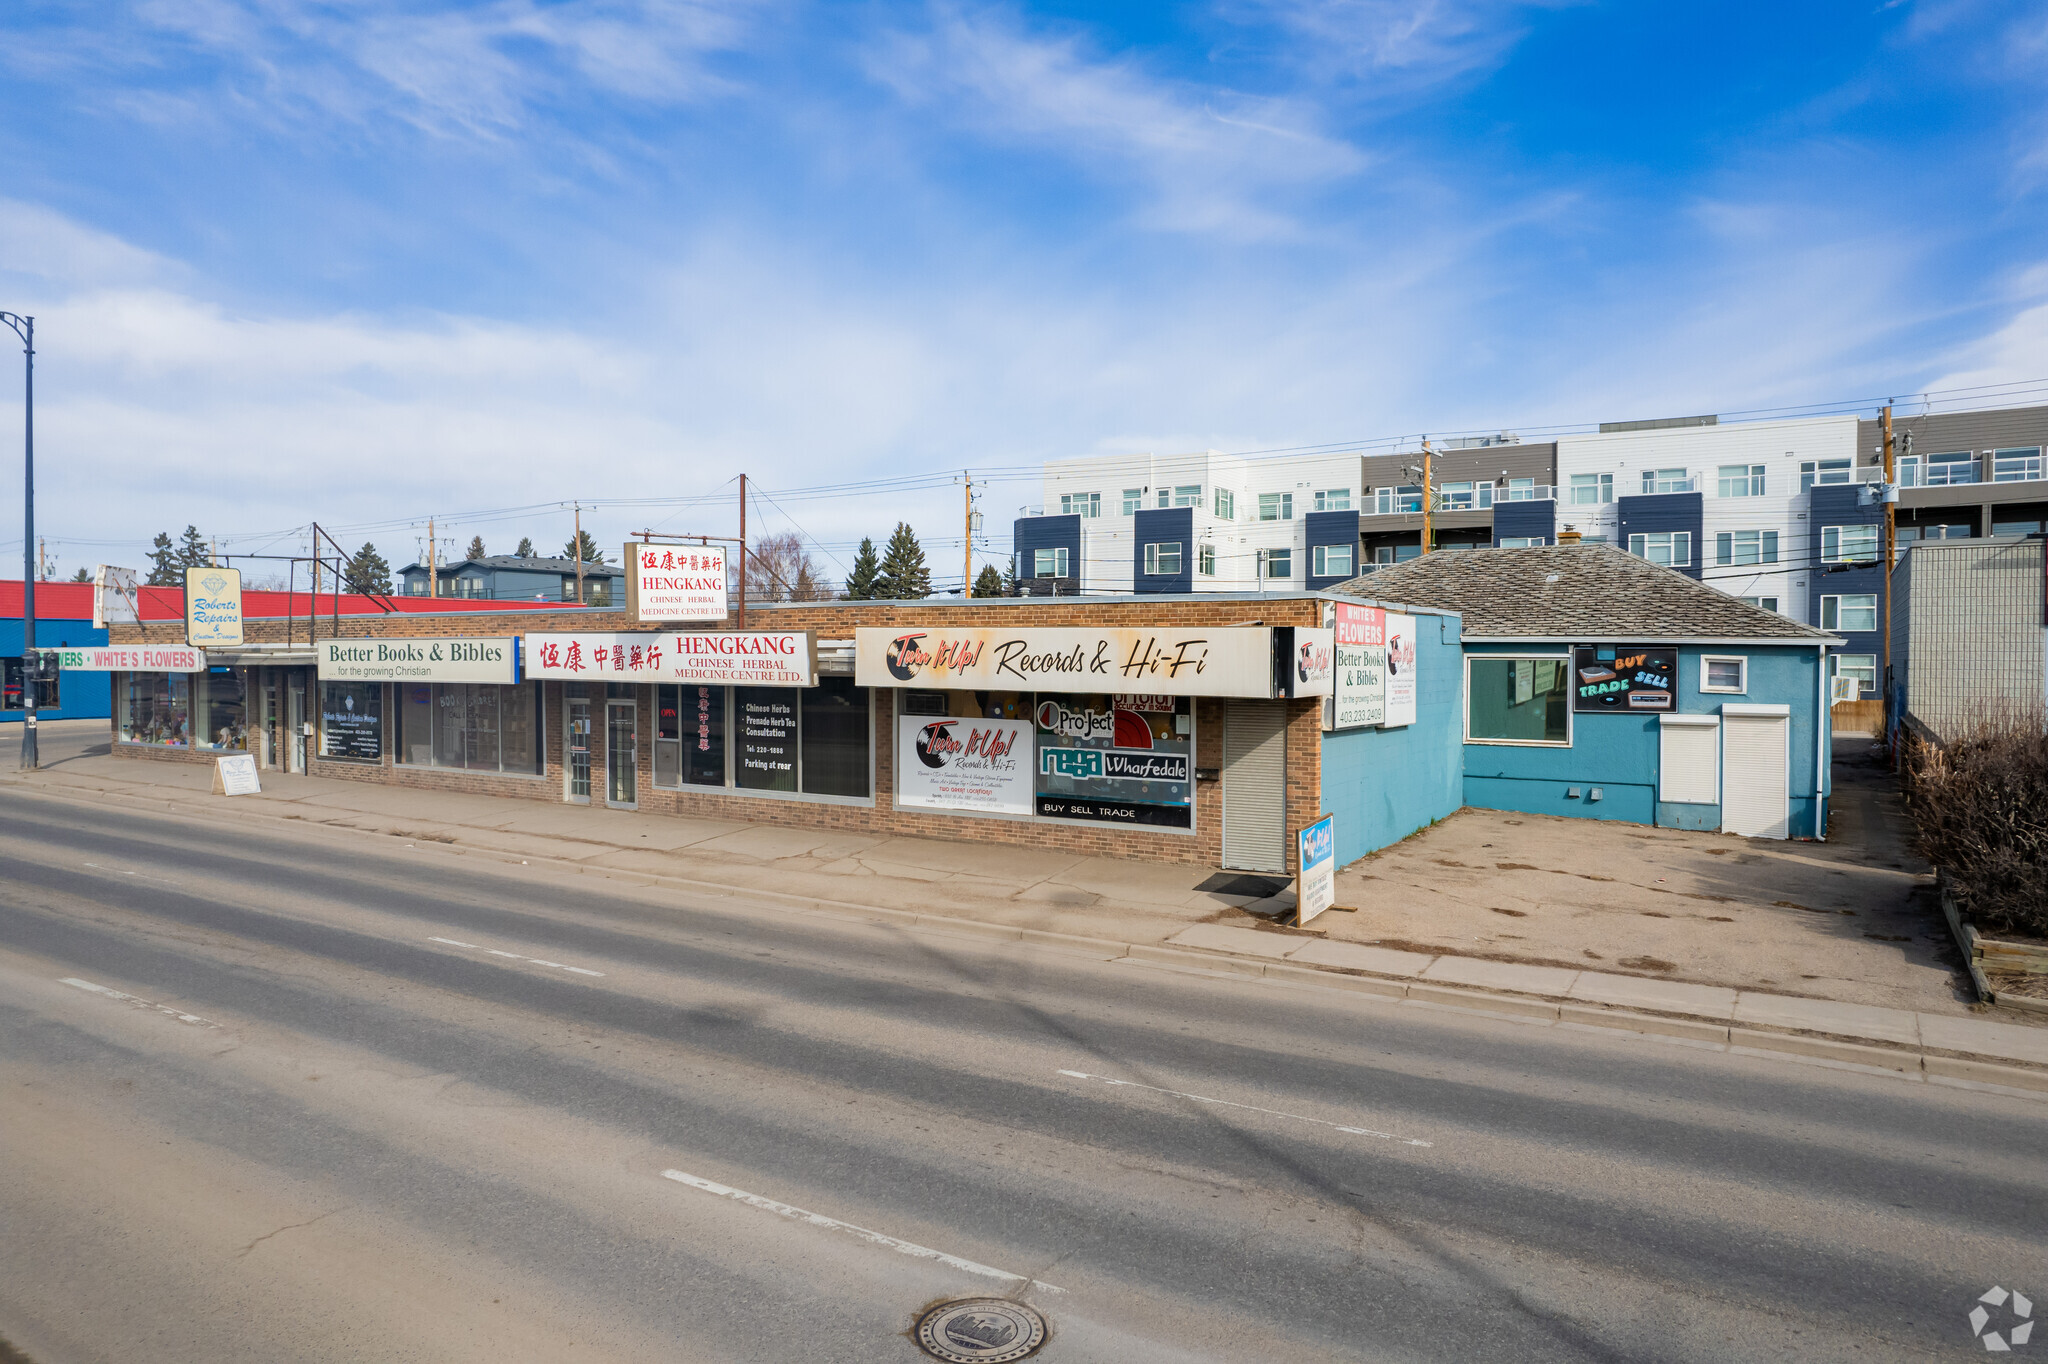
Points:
x=1225 y=661
x=1360 y=697
x=745 y=657
x=675 y=582
x=1623 y=677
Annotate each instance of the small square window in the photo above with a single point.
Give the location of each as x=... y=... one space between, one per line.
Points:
x=1134 y=499
x=1049 y=563
x=1163 y=558
x=1276 y=506
x=1330 y=561
x=1729 y=675
x=1279 y=563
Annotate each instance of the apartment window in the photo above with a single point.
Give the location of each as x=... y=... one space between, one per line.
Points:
x=2009 y=528
x=1163 y=558
x=1849 y=611
x=2016 y=466
x=1824 y=471
x=1764 y=603
x=1724 y=674
x=1396 y=554
x=1226 y=505
x=1521 y=490
x=1592 y=489
x=1333 y=499
x=1746 y=547
x=1671 y=548
x=1205 y=560
x=1517 y=701
x=1279 y=563
x=1522 y=542
x=1080 y=504
x=1276 y=506
x=1187 y=495
x=1406 y=498
x=1938 y=471
x=1134 y=498
x=1330 y=561
x=1954 y=531
x=1848 y=544
x=1741 y=480
x=1049 y=563
x=1464 y=496
x=1858 y=668
x=1665 y=481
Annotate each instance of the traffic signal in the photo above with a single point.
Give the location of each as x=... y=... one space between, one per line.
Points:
x=46 y=665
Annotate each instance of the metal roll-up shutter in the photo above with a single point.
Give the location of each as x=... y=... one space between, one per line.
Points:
x=1755 y=777
x=1689 y=759
x=1255 y=785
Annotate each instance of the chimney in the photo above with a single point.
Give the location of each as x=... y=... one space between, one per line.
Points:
x=1568 y=536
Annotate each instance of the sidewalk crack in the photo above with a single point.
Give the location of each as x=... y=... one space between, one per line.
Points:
x=282 y=1230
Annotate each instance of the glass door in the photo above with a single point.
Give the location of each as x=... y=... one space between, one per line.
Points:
x=272 y=722
x=578 y=740
x=621 y=753
x=295 y=721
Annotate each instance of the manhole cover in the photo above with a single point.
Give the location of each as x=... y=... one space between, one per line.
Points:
x=980 y=1331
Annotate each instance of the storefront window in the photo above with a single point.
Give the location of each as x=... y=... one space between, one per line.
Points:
x=1517 y=701
x=156 y=708
x=1116 y=759
x=475 y=727
x=222 y=699
x=814 y=741
x=835 y=738
x=689 y=736
x=352 y=720
x=767 y=719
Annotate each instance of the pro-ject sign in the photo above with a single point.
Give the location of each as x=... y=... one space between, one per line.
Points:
x=1222 y=661
x=675 y=582
x=133 y=658
x=213 y=608
x=750 y=658
x=419 y=660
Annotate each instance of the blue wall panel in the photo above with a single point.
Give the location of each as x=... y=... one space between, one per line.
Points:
x=1512 y=520
x=1837 y=505
x=82 y=695
x=1162 y=525
x=1646 y=514
x=1330 y=528
x=1384 y=784
x=1047 y=532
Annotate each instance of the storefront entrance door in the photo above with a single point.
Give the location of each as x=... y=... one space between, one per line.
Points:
x=621 y=753
x=271 y=723
x=295 y=721
x=578 y=742
x=1255 y=785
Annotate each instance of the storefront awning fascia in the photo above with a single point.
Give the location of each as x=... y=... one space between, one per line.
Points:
x=263 y=655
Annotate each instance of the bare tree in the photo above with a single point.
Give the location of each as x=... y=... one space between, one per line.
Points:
x=780 y=569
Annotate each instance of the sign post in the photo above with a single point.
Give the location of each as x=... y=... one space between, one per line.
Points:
x=1315 y=888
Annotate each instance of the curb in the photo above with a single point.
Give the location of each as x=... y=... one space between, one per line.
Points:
x=1860 y=1054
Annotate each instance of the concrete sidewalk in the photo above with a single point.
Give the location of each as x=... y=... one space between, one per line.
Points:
x=1166 y=915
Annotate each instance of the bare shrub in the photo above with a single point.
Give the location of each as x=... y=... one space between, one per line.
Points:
x=1981 y=804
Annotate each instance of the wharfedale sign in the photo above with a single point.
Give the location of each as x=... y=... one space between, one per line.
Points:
x=419 y=660
x=1223 y=661
x=747 y=658
x=675 y=582
x=133 y=658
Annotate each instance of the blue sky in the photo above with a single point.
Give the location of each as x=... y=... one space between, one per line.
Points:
x=365 y=261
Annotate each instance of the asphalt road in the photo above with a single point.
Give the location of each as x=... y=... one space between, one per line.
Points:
x=363 y=1100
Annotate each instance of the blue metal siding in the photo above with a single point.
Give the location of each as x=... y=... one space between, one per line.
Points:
x=1330 y=528
x=1523 y=519
x=1838 y=505
x=1047 y=532
x=1384 y=784
x=1620 y=753
x=83 y=696
x=1654 y=512
x=1163 y=525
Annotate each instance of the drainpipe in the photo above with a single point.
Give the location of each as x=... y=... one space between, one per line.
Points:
x=1821 y=756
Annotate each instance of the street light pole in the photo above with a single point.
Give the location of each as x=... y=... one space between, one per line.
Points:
x=25 y=328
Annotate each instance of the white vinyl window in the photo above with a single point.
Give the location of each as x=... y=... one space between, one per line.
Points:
x=1741 y=480
x=1666 y=481
x=1746 y=547
x=1848 y=544
x=1858 y=668
x=1333 y=499
x=1523 y=542
x=1080 y=504
x=1134 y=500
x=1276 y=506
x=1205 y=560
x=1937 y=471
x=1849 y=611
x=1824 y=471
x=1163 y=558
x=1671 y=548
x=1592 y=489
x=2016 y=466
x=1330 y=561
x=1279 y=563
x=1764 y=603
x=1724 y=673
x=1049 y=563
x=1226 y=505
x=1510 y=700
x=1187 y=495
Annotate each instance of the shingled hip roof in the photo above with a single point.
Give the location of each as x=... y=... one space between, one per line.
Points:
x=1581 y=592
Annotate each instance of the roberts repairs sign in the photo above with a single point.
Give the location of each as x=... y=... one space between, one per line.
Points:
x=747 y=658
x=1219 y=661
x=419 y=660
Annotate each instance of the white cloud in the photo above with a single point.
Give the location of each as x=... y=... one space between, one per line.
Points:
x=1203 y=159
x=1395 y=46
x=41 y=244
x=2015 y=354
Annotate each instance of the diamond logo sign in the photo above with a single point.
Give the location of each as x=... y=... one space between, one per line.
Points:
x=213 y=582
x=2014 y=1325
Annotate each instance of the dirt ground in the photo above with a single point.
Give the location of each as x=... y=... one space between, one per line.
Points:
x=1854 y=918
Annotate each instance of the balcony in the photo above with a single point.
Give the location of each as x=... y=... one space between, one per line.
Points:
x=1541 y=492
x=1946 y=473
x=1656 y=487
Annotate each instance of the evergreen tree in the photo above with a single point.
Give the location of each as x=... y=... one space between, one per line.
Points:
x=860 y=584
x=905 y=575
x=84 y=575
x=193 y=551
x=526 y=549
x=165 y=568
x=1010 y=588
x=988 y=582
x=591 y=553
x=476 y=547
x=366 y=572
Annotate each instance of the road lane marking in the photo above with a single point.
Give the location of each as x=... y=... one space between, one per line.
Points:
x=1251 y=1108
x=136 y=874
x=818 y=1219
x=137 y=1003
x=514 y=956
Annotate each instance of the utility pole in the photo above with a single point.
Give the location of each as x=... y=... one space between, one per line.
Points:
x=25 y=328
x=967 y=568
x=433 y=574
x=1891 y=528
x=577 y=545
x=743 y=551
x=1428 y=501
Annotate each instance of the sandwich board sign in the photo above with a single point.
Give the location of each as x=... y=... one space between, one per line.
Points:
x=234 y=774
x=1315 y=889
